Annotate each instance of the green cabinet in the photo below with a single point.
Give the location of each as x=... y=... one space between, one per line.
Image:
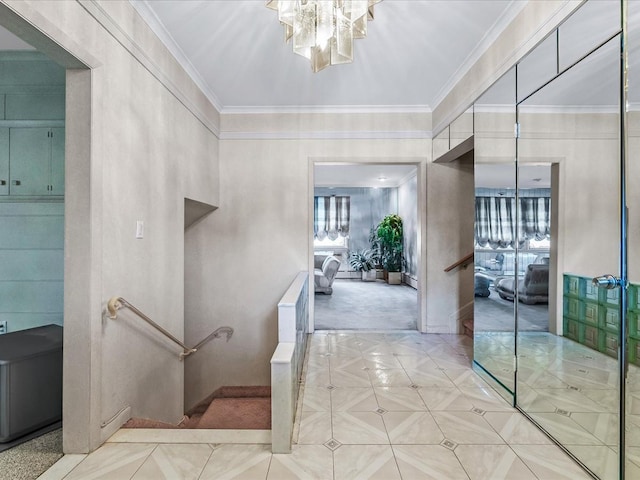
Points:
x=36 y=161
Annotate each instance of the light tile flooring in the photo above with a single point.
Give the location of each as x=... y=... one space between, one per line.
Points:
x=396 y=405
x=571 y=390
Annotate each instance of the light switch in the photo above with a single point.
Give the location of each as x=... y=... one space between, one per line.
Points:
x=140 y=229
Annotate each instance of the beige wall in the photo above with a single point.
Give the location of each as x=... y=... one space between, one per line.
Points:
x=450 y=224
x=140 y=138
x=246 y=253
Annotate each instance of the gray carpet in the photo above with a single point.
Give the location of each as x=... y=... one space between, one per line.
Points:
x=493 y=314
x=358 y=305
x=31 y=459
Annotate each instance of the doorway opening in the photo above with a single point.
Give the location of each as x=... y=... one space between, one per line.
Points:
x=32 y=252
x=353 y=290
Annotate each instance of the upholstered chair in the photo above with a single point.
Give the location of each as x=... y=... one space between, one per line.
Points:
x=323 y=277
x=533 y=288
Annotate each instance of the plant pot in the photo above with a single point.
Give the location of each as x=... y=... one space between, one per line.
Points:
x=394 y=278
x=369 y=276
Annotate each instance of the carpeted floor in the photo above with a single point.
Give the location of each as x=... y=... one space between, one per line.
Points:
x=358 y=305
x=231 y=407
x=494 y=314
x=29 y=460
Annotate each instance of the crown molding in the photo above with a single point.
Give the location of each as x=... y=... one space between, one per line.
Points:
x=328 y=135
x=633 y=107
x=509 y=14
x=563 y=9
x=407 y=177
x=302 y=109
x=579 y=109
x=556 y=109
x=138 y=52
x=150 y=17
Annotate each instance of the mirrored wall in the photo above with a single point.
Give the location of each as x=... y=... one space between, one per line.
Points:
x=557 y=176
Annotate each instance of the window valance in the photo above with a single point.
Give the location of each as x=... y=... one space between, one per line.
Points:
x=331 y=216
x=496 y=221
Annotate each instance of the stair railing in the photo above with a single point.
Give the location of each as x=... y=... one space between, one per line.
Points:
x=463 y=262
x=116 y=303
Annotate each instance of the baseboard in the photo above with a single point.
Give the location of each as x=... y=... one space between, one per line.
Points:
x=159 y=435
x=463 y=313
x=111 y=426
x=349 y=275
x=410 y=280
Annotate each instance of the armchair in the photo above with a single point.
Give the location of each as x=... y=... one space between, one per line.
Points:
x=533 y=288
x=323 y=277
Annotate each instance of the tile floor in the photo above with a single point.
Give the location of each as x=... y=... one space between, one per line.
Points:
x=396 y=405
x=572 y=391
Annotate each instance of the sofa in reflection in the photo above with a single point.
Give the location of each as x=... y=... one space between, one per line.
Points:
x=481 y=283
x=532 y=288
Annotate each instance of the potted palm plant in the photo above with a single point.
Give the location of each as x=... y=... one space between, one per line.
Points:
x=389 y=234
x=364 y=261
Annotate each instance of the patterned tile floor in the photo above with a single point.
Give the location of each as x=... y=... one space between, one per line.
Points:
x=571 y=390
x=395 y=405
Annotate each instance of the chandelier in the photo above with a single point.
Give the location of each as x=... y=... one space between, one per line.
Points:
x=323 y=30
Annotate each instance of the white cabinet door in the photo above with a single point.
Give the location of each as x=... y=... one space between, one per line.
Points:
x=29 y=157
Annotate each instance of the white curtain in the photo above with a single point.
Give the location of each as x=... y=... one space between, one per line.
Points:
x=496 y=220
x=331 y=217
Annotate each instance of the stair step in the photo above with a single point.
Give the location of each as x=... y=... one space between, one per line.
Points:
x=238 y=414
x=468 y=327
x=227 y=392
x=229 y=408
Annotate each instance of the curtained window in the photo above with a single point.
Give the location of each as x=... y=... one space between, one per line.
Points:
x=331 y=217
x=496 y=221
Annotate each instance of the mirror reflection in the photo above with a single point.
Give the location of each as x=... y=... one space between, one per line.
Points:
x=632 y=417
x=494 y=245
x=461 y=128
x=568 y=376
x=440 y=143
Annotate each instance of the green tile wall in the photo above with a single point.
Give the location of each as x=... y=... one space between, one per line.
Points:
x=591 y=316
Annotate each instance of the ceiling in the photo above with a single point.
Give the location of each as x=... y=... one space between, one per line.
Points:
x=344 y=175
x=414 y=52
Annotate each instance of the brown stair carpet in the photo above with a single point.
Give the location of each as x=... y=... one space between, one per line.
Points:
x=238 y=414
x=235 y=408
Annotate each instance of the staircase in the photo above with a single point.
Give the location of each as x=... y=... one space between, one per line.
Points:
x=468 y=327
x=229 y=408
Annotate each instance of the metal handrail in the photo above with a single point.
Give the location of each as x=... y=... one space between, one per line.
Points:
x=464 y=261
x=116 y=303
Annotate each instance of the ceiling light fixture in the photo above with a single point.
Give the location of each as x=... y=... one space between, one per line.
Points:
x=323 y=30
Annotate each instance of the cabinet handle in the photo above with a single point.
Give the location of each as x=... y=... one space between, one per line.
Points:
x=3 y=182
x=16 y=182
